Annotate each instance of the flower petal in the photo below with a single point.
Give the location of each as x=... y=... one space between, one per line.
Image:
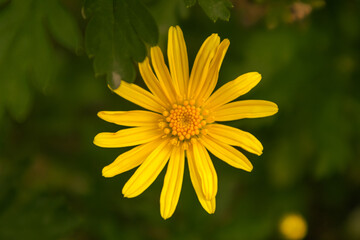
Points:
x=152 y=82
x=148 y=171
x=162 y=73
x=200 y=69
x=127 y=137
x=131 y=118
x=245 y=109
x=172 y=183
x=130 y=159
x=139 y=96
x=208 y=205
x=233 y=90
x=213 y=74
x=178 y=59
x=205 y=169
x=227 y=153
x=235 y=137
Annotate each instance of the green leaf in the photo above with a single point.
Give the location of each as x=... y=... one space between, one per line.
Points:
x=116 y=35
x=216 y=9
x=28 y=58
x=143 y=23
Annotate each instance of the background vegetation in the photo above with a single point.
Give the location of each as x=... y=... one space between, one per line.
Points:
x=50 y=172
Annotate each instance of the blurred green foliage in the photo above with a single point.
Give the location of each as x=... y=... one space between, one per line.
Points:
x=50 y=172
x=29 y=34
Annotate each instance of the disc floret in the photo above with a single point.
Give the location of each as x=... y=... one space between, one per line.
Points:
x=183 y=121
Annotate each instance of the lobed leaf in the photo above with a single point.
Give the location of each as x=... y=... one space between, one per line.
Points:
x=116 y=35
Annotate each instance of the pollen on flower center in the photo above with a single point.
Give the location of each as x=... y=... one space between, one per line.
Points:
x=183 y=121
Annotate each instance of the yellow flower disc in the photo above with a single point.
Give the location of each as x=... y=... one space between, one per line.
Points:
x=183 y=121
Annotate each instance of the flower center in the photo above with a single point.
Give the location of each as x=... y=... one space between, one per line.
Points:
x=183 y=121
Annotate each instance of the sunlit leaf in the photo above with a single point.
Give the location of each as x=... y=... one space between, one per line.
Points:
x=215 y=9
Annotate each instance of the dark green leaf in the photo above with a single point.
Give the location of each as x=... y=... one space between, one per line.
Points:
x=216 y=9
x=116 y=35
x=144 y=24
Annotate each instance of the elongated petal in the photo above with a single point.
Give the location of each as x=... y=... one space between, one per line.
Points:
x=213 y=74
x=148 y=171
x=233 y=90
x=208 y=205
x=130 y=159
x=172 y=184
x=245 y=109
x=235 y=137
x=205 y=169
x=139 y=96
x=152 y=82
x=162 y=73
x=131 y=118
x=178 y=59
x=200 y=69
x=127 y=137
x=227 y=153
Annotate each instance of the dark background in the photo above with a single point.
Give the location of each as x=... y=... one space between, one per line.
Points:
x=50 y=172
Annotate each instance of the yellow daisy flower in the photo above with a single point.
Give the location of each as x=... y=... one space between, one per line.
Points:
x=182 y=122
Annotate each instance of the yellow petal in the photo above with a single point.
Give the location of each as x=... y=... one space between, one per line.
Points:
x=205 y=169
x=227 y=153
x=178 y=59
x=245 y=109
x=130 y=159
x=235 y=137
x=208 y=205
x=162 y=73
x=131 y=118
x=200 y=69
x=233 y=90
x=172 y=183
x=213 y=75
x=139 y=96
x=152 y=82
x=127 y=137
x=148 y=171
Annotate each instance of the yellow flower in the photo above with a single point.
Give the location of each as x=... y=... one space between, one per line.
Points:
x=182 y=122
x=293 y=227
